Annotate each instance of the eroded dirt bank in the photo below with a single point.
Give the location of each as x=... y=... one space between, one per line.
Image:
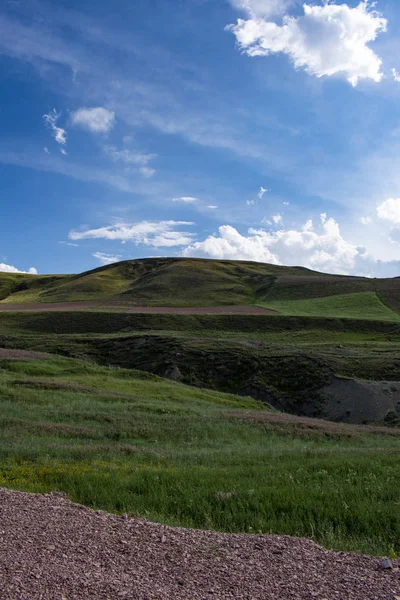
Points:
x=51 y=549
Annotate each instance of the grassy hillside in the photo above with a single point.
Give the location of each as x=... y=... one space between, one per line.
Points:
x=129 y=442
x=362 y=305
x=184 y=282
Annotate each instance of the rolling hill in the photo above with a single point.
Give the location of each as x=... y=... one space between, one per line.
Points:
x=183 y=282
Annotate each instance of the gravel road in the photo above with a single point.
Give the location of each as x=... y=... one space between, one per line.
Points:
x=52 y=549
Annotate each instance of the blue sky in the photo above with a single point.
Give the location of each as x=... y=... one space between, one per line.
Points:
x=261 y=130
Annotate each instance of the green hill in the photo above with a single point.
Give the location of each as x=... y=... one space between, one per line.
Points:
x=183 y=282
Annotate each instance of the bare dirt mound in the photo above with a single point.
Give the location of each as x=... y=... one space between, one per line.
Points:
x=8 y=354
x=51 y=549
x=198 y=310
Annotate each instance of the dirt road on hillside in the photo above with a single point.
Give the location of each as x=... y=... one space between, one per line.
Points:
x=51 y=549
x=67 y=306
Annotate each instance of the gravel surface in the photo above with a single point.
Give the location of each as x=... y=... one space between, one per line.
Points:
x=197 y=310
x=52 y=549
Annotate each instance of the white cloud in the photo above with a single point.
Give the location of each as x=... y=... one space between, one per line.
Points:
x=324 y=250
x=285 y=203
x=148 y=233
x=186 y=199
x=396 y=75
x=366 y=220
x=106 y=259
x=262 y=8
x=147 y=172
x=262 y=192
x=58 y=133
x=277 y=219
x=10 y=269
x=212 y=206
x=63 y=152
x=97 y=120
x=327 y=40
x=128 y=157
x=69 y=244
x=46 y=150
x=389 y=210
x=250 y=202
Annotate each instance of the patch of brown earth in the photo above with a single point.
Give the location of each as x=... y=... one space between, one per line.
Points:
x=67 y=306
x=66 y=386
x=306 y=427
x=8 y=354
x=51 y=549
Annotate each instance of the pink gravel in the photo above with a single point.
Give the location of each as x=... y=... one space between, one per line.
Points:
x=52 y=549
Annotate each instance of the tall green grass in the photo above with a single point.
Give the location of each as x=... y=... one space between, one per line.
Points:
x=126 y=441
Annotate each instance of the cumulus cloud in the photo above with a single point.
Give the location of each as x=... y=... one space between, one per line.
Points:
x=58 y=133
x=96 y=120
x=106 y=259
x=148 y=233
x=326 y=40
x=10 y=269
x=323 y=250
x=389 y=210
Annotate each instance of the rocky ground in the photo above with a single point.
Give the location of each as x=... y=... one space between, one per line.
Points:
x=52 y=549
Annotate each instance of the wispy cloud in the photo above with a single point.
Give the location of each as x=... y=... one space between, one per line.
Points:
x=148 y=233
x=107 y=259
x=58 y=133
x=185 y=199
x=69 y=244
x=128 y=157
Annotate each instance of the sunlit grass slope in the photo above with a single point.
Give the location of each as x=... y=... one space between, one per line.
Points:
x=363 y=305
x=129 y=442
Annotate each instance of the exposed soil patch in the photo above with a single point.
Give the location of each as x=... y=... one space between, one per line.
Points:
x=307 y=427
x=8 y=354
x=207 y=310
x=360 y=401
x=51 y=549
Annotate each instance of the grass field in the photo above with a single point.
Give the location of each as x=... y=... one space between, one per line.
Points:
x=129 y=442
x=362 y=305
